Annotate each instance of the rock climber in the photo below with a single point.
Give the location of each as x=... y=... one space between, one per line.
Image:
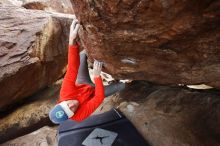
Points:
x=79 y=96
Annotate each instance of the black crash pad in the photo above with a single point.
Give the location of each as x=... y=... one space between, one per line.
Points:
x=111 y=128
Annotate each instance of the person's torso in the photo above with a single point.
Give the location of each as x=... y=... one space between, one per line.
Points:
x=84 y=92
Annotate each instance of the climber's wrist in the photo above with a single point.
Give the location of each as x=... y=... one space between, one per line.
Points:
x=72 y=42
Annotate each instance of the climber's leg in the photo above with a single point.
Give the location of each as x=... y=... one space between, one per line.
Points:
x=83 y=72
x=84 y=78
x=113 y=88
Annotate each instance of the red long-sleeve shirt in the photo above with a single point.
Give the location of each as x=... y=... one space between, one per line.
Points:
x=89 y=97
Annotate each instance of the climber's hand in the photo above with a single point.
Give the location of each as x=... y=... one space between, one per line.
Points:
x=73 y=31
x=97 y=68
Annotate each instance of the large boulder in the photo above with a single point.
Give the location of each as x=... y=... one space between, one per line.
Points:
x=173 y=116
x=162 y=41
x=33 y=51
x=170 y=116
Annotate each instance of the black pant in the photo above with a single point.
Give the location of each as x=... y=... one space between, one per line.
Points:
x=84 y=78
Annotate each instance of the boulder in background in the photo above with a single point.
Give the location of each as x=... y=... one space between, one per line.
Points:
x=33 y=51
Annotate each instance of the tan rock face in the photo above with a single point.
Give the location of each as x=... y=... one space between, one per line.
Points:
x=162 y=41
x=61 y=6
x=33 y=51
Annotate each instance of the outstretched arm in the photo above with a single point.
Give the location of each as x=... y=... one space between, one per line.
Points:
x=87 y=109
x=99 y=88
x=68 y=84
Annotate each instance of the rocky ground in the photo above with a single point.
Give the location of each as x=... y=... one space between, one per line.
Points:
x=61 y=6
x=33 y=52
x=45 y=136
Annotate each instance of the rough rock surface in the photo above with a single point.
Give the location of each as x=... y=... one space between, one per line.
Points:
x=170 y=116
x=173 y=116
x=162 y=41
x=61 y=6
x=33 y=51
x=30 y=115
x=45 y=136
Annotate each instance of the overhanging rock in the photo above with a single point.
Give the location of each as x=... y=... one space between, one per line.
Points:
x=165 y=42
